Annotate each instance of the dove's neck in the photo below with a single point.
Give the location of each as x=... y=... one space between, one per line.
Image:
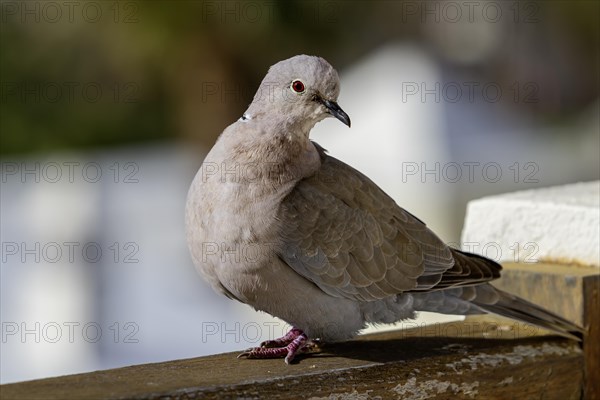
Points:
x=268 y=155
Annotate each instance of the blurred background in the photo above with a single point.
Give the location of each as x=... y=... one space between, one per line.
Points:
x=107 y=109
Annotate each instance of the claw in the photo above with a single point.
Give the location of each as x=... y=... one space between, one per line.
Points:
x=244 y=354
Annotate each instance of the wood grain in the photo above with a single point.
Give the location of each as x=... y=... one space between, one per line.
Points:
x=571 y=291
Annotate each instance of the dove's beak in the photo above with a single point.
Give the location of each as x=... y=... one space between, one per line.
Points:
x=336 y=111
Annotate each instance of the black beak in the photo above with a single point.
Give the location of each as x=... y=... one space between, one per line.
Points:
x=336 y=111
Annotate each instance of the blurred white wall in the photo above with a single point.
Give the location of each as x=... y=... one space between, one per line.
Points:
x=434 y=138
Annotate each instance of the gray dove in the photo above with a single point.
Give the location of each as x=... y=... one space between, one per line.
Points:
x=273 y=221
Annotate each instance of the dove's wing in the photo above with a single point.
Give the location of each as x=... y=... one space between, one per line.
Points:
x=343 y=233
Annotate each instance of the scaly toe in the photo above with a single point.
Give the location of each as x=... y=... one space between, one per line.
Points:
x=289 y=352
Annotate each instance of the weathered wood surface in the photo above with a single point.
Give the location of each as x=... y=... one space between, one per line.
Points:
x=479 y=362
x=562 y=289
x=571 y=291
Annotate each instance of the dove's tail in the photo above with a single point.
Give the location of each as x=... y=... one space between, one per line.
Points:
x=511 y=306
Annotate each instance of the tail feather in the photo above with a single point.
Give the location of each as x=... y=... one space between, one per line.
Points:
x=511 y=306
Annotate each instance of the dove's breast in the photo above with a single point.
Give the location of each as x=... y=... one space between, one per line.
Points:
x=231 y=229
x=231 y=210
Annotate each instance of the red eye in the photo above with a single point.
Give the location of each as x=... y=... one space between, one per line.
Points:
x=298 y=86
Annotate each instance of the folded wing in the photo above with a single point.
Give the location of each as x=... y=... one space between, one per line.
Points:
x=343 y=233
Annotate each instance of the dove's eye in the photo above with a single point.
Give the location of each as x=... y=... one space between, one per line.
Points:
x=297 y=86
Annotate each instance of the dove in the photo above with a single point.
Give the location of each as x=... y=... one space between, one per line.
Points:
x=275 y=222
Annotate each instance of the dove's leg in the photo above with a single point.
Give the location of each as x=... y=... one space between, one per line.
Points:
x=284 y=340
x=290 y=345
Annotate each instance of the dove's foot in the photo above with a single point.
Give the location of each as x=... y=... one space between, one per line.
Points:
x=291 y=344
x=284 y=340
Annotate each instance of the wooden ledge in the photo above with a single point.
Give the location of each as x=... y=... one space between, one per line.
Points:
x=453 y=360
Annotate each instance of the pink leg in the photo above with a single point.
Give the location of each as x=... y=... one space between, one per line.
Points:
x=288 y=346
x=284 y=340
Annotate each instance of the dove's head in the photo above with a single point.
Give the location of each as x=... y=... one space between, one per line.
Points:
x=297 y=93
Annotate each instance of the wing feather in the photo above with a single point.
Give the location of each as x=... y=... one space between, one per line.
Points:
x=343 y=233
